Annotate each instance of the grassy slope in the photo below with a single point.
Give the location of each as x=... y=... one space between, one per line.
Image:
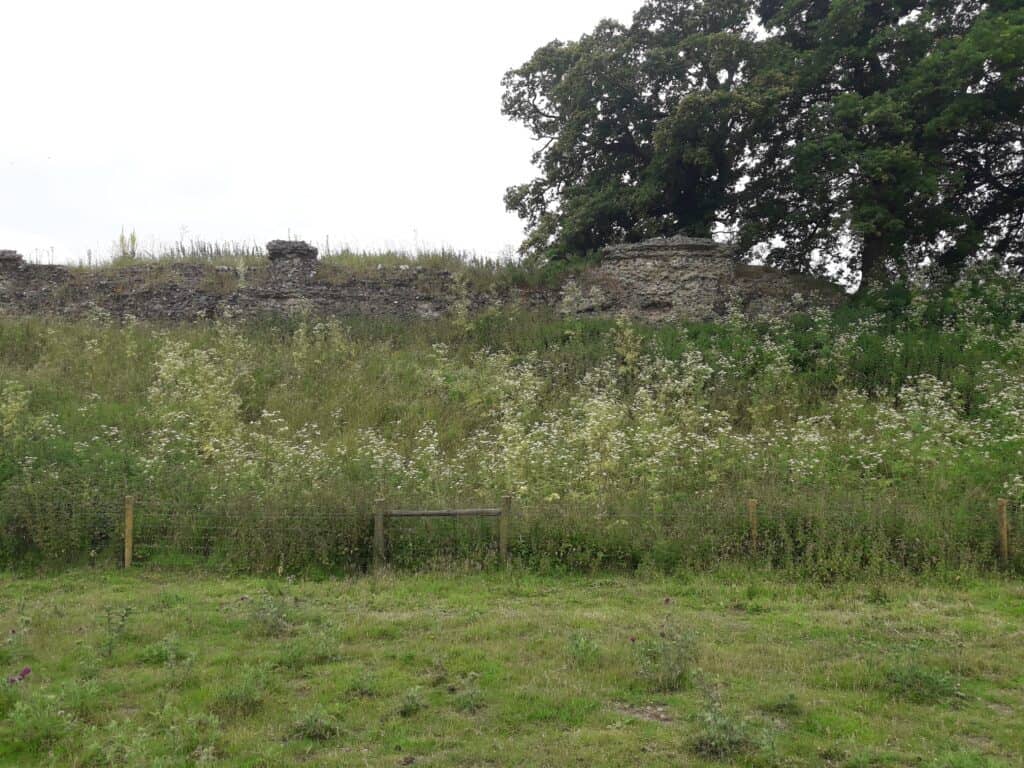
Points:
x=504 y=669
x=873 y=442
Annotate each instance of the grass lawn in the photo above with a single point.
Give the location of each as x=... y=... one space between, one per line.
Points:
x=166 y=669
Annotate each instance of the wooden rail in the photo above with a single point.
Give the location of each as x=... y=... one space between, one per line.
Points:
x=380 y=514
x=486 y=512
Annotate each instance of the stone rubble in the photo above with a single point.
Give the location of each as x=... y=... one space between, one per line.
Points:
x=284 y=250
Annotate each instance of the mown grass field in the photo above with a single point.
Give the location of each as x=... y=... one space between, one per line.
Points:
x=509 y=669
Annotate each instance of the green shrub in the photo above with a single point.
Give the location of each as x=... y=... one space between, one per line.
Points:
x=80 y=698
x=363 y=686
x=115 y=626
x=583 y=651
x=666 y=660
x=243 y=697
x=920 y=684
x=36 y=722
x=787 y=706
x=308 y=651
x=468 y=698
x=315 y=725
x=412 y=702
x=9 y=696
x=269 y=615
x=722 y=735
x=167 y=652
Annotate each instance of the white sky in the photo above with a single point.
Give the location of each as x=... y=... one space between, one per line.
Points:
x=376 y=124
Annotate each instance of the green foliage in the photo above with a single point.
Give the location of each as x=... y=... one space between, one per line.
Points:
x=36 y=722
x=873 y=138
x=486 y=652
x=583 y=651
x=412 y=702
x=168 y=652
x=115 y=626
x=787 y=706
x=468 y=696
x=243 y=696
x=309 y=650
x=921 y=684
x=636 y=124
x=9 y=696
x=917 y=131
x=315 y=725
x=364 y=686
x=966 y=759
x=666 y=660
x=876 y=440
x=80 y=698
x=269 y=614
x=722 y=734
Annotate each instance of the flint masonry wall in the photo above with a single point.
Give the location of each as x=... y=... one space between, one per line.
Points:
x=689 y=278
x=657 y=280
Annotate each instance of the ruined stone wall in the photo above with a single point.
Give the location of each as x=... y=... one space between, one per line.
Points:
x=657 y=280
x=183 y=292
x=691 y=279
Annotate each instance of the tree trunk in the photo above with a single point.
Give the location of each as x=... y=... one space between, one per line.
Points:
x=874 y=271
x=954 y=259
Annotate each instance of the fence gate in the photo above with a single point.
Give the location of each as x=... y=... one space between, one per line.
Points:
x=380 y=514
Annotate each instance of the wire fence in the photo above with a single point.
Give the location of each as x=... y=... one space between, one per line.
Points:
x=829 y=536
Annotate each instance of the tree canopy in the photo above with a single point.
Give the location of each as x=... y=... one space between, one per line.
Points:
x=859 y=136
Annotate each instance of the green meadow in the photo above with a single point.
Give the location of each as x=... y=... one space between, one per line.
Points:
x=161 y=668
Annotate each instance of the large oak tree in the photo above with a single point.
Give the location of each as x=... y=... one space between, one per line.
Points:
x=868 y=136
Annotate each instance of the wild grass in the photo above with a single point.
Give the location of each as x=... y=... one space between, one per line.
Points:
x=456 y=670
x=316 y=725
x=876 y=439
x=242 y=695
x=584 y=652
x=920 y=684
x=478 y=272
x=666 y=659
x=723 y=735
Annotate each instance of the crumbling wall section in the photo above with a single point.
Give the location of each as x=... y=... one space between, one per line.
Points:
x=656 y=280
x=683 y=278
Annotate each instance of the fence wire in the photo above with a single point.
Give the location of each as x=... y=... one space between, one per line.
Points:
x=826 y=534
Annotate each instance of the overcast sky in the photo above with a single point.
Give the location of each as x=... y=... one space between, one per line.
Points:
x=374 y=123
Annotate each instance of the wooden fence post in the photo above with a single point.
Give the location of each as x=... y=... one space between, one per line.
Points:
x=506 y=513
x=129 y=529
x=378 y=534
x=752 y=517
x=1004 y=531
